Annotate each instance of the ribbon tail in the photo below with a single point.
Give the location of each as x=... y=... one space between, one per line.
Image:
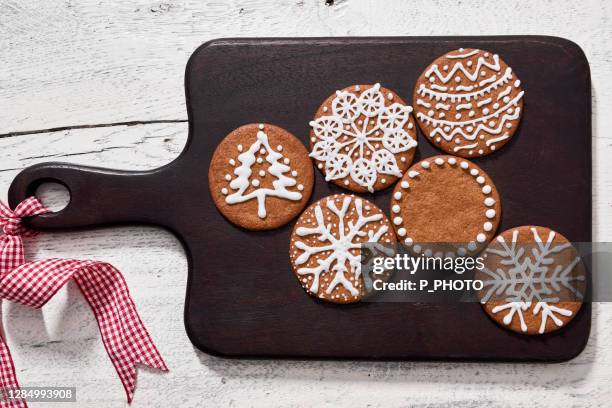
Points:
x=8 y=378
x=125 y=337
x=11 y=254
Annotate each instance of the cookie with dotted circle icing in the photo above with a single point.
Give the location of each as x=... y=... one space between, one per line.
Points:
x=534 y=281
x=445 y=199
x=468 y=102
x=260 y=176
x=363 y=138
x=325 y=248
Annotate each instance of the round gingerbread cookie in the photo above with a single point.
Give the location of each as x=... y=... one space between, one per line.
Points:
x=326 y=247
x=260 y=176
x=363 y=138
x=468 y=102
x=533 y=280
x=445 y=200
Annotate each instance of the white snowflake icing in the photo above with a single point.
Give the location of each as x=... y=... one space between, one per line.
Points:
x=340 y=243
x=361 y=137
x=524 y=279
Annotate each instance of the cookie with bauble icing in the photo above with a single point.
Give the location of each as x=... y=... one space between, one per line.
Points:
x=468 y=102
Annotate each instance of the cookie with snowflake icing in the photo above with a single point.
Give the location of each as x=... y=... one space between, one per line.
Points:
x=260 y=176
x=468 y=102
x=326 y=247
x=363 y=138
x=533 y=278
x=445 y=202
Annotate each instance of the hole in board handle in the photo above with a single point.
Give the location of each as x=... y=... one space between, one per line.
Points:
x=53 y=195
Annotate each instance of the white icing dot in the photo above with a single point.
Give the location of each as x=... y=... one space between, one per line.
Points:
x=390 y=96
x=481 y=137
x=397 y=195
x=410 y=126
x=495 y=105
x=490 y=213
x=482 y=73
x=472 y=114
x=397 y=220
x=487 y=226
x=232 y=162
x=320 y=165
x=325 y=109
x=489 y=201
x=461 y=251
x=261 y=126
x=470 y=152
x=413 y=174
x=395 y=208
x=470 y=128
x=286 y=161
x=445 y=67
x=439 y=161
x=279 y=148
x=404 y=184
x=485 y=111
x=416 y=248
x=228 y=177
x=239 y=147
x=313 y=139
x=480 y=179
x=224 y=190
x=491 y=123
x=432 y=79
x=346 y=182
x=474 y=172
x=508 y=125
x=506 y=99
x=486 y=54
x=510 y=110
x=401 y=232
x=471 y=246
x=517 y=83
x=384 y=181
x=430 y=113
x=458 y=116
x=428 y=252
x=447 y=129
x=457 y=79
x=486 y=189
x=493 y=147
x=300 y=187
x=438 y=139
x=408 y=241
x=469 y=63
x=464 y=165
x=480 y=151
x=481 y=237
x=425 y=164
x=403 y=158
x=262 y=173
x=259 y=160
x=262 y=151
x=452 y=161
x=294 y=173
x=441 y=115
x=458 y=141
x=255 y=182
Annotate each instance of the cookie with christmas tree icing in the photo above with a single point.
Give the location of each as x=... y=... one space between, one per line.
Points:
x=468 y=102
x=445 y=202
x=363 y=138
x=326 y=247
x=534 y=281
x=260 y=176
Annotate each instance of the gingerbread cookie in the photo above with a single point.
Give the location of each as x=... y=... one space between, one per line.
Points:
x=534 y=280
x=445 y=199
x=363 y=138
x=260 y=177
x=326 y=247
x=468 y=102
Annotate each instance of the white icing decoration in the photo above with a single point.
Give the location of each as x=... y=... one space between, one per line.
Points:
x=396 y=208
x=489 y=201
x=490 y=213
x=347 y=130
x=439 y=161
x=425 y=164
x=401 y=232
x=487 y=226
x=524 y=278
x=486 y=189
x=397 y=195
x=481 y=237
x=404 y=184
x=340 y=243
x=276 y=169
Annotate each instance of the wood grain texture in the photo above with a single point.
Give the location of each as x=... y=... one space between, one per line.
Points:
x=54 y=74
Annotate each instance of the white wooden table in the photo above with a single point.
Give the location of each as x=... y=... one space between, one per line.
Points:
x=88 y=82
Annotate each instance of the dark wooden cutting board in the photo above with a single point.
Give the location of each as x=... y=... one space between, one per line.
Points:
x=242 y=298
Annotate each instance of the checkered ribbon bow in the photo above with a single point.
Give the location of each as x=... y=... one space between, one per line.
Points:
x=33 y=284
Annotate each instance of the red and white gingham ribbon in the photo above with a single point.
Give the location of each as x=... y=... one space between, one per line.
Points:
x=125 y=338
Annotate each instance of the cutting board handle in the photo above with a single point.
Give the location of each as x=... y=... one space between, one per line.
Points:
x=97 y=196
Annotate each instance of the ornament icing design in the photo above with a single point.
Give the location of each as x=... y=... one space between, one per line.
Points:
x=278 y=166
x=340 y=241
x=440 y=163
x=361 y=136
x=526 y=281
x=474 y=118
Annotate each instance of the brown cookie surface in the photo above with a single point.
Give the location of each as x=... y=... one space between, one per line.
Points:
x=260 y=176
x=445 y=199
x=534 y=280
x=325 y=248
x=468 y=102
x=363 y=138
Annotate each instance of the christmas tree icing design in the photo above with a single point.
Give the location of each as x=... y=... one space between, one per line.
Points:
x=527 y=281
x=278 y=169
